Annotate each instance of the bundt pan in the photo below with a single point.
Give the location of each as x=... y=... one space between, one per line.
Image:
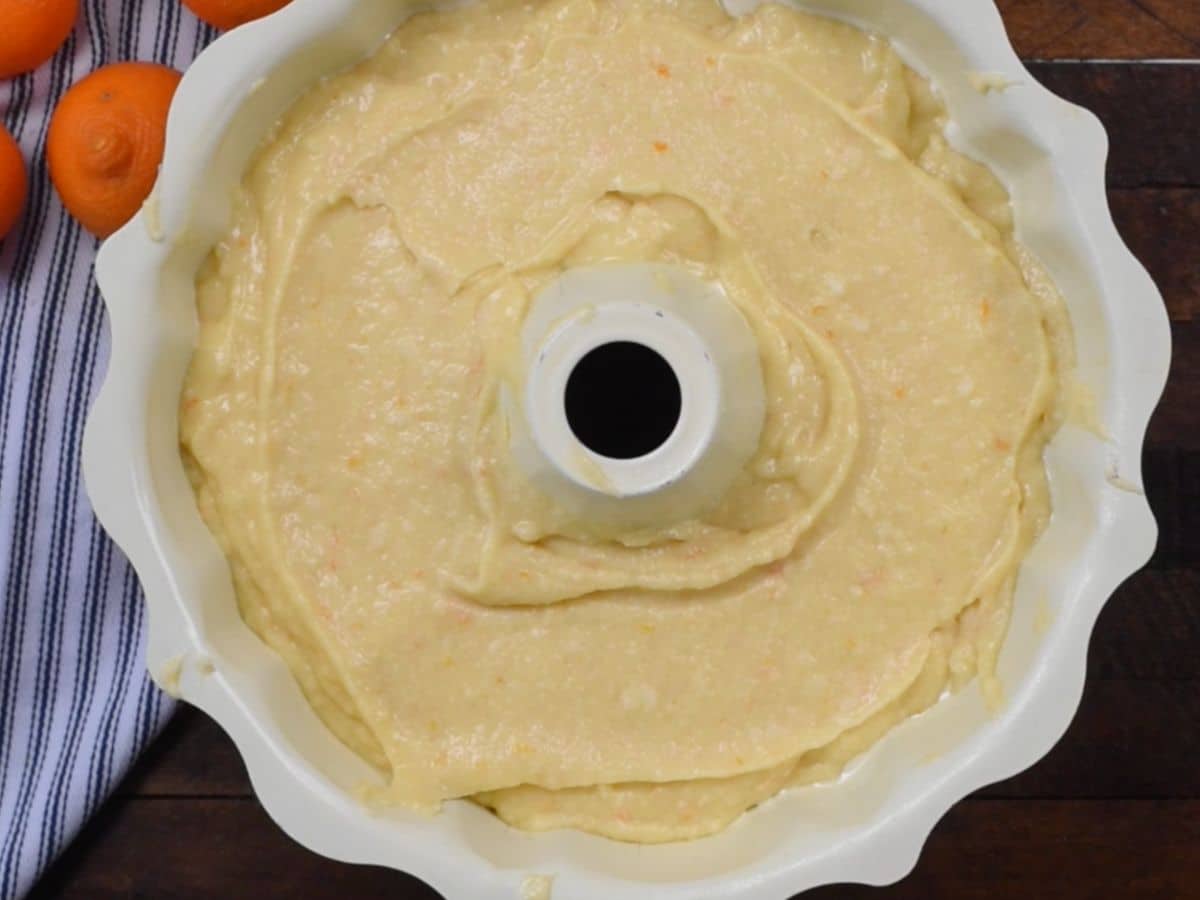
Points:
x=868 y=826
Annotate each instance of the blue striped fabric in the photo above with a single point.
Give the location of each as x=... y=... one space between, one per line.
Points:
x=76 y=706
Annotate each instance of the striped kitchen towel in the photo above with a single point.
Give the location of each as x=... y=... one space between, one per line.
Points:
x=76 y=705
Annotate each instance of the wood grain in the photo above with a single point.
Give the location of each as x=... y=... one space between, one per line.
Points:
x=1042 y=849
x=1172 y=472
x=1162 y=227
x=204 y=849
x=1176 y=422
x=1150 y=629
x=1149 y=111
x=1103 y=29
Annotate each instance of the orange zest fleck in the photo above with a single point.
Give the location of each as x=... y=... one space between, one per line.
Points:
x=985 y=309
x=1002 y=445
x=660 y=147
x=662 y=70
x=901 y=392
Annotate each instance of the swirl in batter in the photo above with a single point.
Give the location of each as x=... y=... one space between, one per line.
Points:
x=342 y=426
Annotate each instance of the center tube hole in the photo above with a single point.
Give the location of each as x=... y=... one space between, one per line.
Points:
x=623 y=400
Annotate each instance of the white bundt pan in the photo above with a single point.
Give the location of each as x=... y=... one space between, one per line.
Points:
x=867 y=827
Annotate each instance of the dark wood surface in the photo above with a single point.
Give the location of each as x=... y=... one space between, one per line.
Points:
x=1112 y=812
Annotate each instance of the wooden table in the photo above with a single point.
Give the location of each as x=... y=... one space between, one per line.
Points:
x=1113 y=812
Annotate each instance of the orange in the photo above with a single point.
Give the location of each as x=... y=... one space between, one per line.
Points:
x=226 y=14
x=13 y=184
x=30 y=32
x=106 y=142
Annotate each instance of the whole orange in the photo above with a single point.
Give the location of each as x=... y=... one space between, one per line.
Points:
x=226 y=14
x=106 y=142
x=13 y=183
x=30 y=32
